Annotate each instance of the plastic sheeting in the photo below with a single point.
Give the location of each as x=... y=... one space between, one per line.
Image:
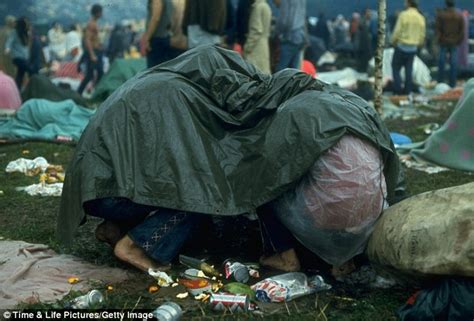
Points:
x=346 y=78
x=421 y=72
x=333 y=209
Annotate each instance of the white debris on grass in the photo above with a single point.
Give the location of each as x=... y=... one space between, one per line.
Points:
x=163 y=279
x=40 y=189
x=29 y=167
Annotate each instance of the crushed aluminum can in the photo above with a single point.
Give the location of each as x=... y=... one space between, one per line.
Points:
x=237 y=270
x=231 y=302
x=91 y=299
x=168 y=311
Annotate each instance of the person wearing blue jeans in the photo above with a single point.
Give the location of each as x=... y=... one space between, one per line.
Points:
x=402 y=58
x=291 y=30
x=142 y=235
x=278 y=242
x=93 y=49
x=290 y=56
x=92 y=68
x=408 y=35
x=450 y=34
x=453 y=56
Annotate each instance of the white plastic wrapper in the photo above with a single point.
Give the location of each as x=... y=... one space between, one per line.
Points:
x=333 y=209
x=28 y=167
x=40 y=189
x=288 y=286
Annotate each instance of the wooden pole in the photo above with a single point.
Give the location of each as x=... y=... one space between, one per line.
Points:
x=378 y=82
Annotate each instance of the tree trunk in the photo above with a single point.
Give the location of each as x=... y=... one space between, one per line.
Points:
x=378 y=85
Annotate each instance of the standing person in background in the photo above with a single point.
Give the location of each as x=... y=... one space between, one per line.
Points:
x=118 y=43
x=408 y=35
x=463 y=52
x=179 y=42
x=341 y=32
x=322 y=30
x=364 y=42
x=291 y=30
x=156 y=39
x=93 y=51
x=36 y=52
x=5 y=61
x=57 y=42
x=73 y=44
x=18 y=47
x=257 y=46
x=242 y=21
x=450 y=34
x=231 y=23
x=204 y=21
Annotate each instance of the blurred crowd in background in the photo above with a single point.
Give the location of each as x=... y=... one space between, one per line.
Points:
x=272 y=35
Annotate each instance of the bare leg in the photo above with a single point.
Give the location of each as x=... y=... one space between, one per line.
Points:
x=343 y=270
x=285 y=261
x=126 y=250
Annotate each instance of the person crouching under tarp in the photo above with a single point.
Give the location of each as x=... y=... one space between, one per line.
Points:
x=141 y=235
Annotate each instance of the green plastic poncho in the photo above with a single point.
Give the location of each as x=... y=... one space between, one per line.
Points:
x=208 y=133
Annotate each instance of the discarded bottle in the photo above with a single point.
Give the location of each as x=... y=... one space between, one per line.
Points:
x=198 y=264
x=237 y=270
x=168 y=311
x=89 y=300
x=231 y=302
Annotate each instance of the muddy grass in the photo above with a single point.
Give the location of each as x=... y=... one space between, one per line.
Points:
x=33 y=219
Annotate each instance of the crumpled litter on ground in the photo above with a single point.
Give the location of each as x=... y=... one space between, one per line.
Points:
x=40 y=189
x=163 y=279
x=29 y=167
x=408 y=161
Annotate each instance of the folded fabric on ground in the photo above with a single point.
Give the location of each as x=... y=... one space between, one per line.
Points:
x=67 y=70
x=9 y=95
x=120 y=71
x=421 y=72
x=208 y=133
x=44 y=119
x=452 y=145
x=41 y=87
x=34 y=273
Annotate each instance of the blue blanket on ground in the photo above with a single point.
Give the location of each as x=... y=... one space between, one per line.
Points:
x=44 y=119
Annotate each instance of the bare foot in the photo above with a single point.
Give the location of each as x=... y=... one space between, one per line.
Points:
x=108 y=232
x=286 y=261
x=126 y=250
x=343 y=270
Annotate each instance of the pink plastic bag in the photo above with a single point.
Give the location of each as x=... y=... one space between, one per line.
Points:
x=333 y=209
